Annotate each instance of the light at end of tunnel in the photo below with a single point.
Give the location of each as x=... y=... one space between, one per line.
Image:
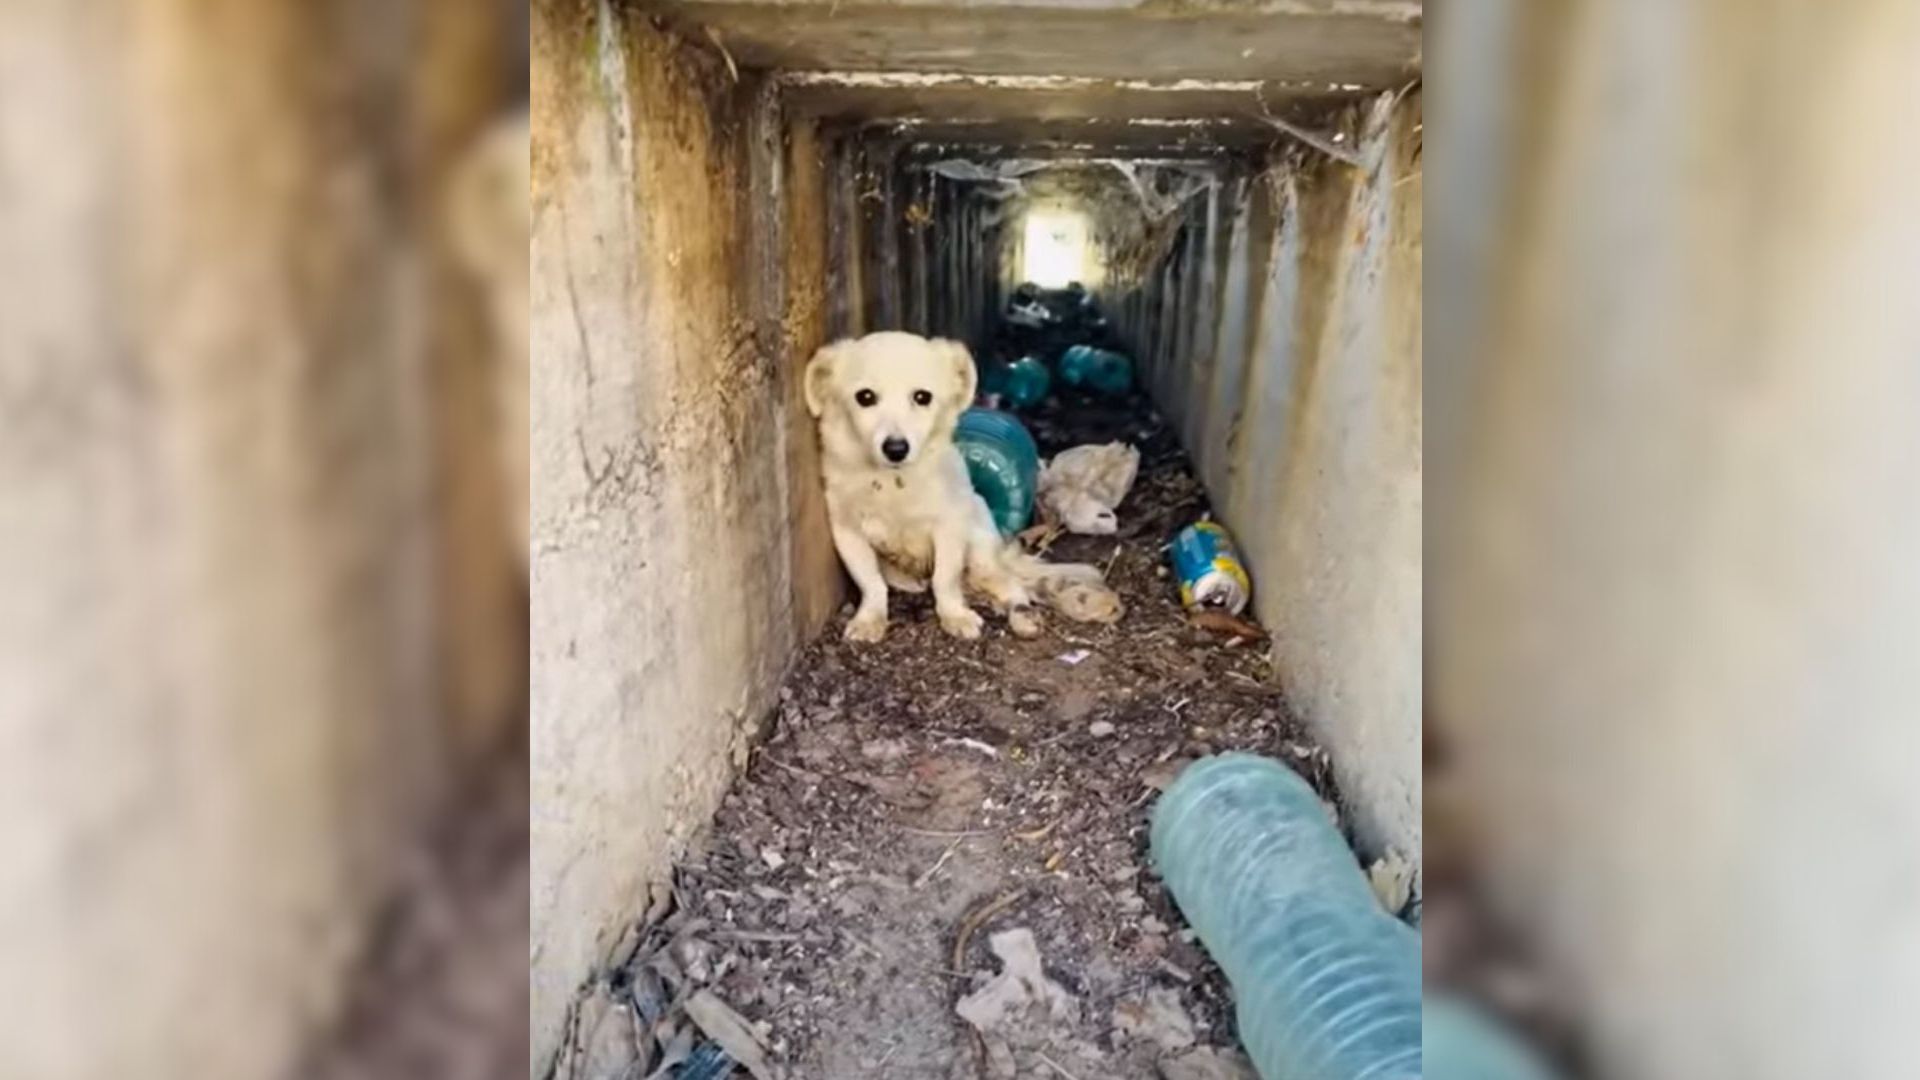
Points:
x=1056 y=249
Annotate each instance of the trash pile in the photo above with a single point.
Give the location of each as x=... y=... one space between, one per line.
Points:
x=654 y=1013
x=1049 y=339
x=935 y=863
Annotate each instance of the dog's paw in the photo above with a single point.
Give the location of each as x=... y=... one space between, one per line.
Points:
x=867 y=628
x=1024 y=623
x=964 y=624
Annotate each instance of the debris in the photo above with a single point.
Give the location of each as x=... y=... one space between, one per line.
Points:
x=1156 y=1017
x=1161 y=776
x=1211 y=574
x=1391 y=876
x=707 y=1062
x=1072 y=659
x=1082 y=486
x=1021 y=984
x=772 y=858
x=1054 y=1065
x=608 y=1027
x=1208 y=1063
x=938 y=863
x=1215 y=621
x=972 y=744
x=731 y=1031
x=976 y=920
x=885 y=750
x=1100 y=729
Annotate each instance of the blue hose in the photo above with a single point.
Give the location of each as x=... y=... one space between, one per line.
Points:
x=1327 y=983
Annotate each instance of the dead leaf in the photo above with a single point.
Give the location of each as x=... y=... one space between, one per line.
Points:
x=731 y=1031
x=1220 y=622
x=1157 y=1017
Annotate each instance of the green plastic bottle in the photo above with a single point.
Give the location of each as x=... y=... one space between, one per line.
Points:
x=1102 y=370
x=1022 y=384
x=1003 y=463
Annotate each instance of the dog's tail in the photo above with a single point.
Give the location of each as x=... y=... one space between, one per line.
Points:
x=1076 y=590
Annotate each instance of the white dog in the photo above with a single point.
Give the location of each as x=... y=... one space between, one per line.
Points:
x=903 y=511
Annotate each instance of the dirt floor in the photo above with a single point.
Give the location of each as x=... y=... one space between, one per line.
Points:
x=914 y=800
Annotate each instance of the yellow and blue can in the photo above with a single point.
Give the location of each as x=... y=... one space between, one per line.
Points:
x=1210 y=571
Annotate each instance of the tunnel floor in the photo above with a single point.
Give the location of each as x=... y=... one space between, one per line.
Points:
x=905 y=788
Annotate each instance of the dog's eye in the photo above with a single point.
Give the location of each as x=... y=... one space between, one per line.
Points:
x=921 y=397
x=867 y=399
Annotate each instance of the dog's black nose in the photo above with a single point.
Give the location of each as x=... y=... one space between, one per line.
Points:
x=895 y=449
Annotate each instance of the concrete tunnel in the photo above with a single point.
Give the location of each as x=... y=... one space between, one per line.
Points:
x=720 y=188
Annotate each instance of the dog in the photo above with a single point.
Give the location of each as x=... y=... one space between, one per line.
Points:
x=903 y=512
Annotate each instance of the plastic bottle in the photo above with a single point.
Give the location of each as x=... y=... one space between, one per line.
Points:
x=1003 y=463
x=1022 y=384
x=1327 y=984
x=1103 y=370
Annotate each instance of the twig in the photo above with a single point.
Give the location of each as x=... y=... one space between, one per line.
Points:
x=940 y=862
x=1054 y=1065
x=804 y=774
x=949 y=834
x=760 y=936
x=1317 y=141
x=974 y=921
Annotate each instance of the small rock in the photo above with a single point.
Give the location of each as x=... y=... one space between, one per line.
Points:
x=772 y=858
x=1100 y=729
x=885 y=750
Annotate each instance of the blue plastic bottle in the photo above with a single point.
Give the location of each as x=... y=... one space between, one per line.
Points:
x=1023 y=383
x=1003 y=463
x=1102 y=370
x=1327 y=984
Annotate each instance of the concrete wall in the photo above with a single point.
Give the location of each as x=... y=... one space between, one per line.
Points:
x=1674 y=594
x=679 y=548
x=218 y=722
x=1305 y=421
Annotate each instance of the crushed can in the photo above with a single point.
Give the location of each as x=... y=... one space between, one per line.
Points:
x=1210 y=571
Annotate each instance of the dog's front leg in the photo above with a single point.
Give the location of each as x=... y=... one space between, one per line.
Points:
x=870 y=620
x=949 y=591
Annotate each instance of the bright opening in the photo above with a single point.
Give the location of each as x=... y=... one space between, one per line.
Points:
x=1056 y=251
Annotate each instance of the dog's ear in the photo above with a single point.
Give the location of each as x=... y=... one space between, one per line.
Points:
x=965 y=378
x=813 y=384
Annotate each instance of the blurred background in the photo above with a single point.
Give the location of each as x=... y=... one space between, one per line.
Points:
x=262 y=629
x=262 y=646
x=1673 y=379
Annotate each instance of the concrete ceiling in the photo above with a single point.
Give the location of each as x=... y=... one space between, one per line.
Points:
x=1372 y=43
x=1138 y=74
